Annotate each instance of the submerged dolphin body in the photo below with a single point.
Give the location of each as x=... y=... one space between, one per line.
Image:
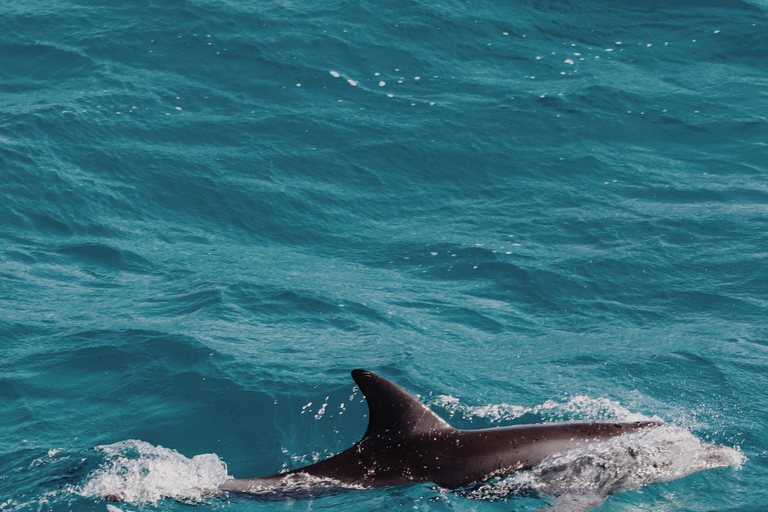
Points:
x=406 y=443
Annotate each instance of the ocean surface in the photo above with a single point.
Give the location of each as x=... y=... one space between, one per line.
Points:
x=521 y=212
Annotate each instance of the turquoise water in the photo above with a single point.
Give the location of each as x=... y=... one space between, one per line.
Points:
x=210 y=212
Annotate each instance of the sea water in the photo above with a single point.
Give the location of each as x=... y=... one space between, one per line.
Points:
x=521 y=212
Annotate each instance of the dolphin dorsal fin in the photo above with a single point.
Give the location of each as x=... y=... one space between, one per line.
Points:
x=392 y=410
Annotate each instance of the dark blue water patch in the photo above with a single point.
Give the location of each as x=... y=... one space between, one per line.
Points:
x=253 y=296
x=438 y=259
x=533 y=285
x=40 y=471
x=203 y=412
x=185 y=303
x=274 y=305
x=47 y=224
x=21 y=470
x=53 y=199
x=227 y=204
x=703 y=302
x=32 y=66
x=157 y=375
x=104 y=256
x=673 y=378
x=465 y=317
x=742 y=41
x=88 y=353
x=10 y=389
x=7 y=276
x=607 y=102
x=14 y=155
x=14 y=331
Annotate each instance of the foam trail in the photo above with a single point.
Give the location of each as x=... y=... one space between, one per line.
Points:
x=140 y=473
x=580 y=407
x=583 y=478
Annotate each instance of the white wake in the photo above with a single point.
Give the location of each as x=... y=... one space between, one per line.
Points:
x=140 y=473
x=582 y=479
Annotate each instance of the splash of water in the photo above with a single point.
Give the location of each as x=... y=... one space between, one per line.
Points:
x=583 y=478
x=579 y=407
x=297 y=486
x=140 y=473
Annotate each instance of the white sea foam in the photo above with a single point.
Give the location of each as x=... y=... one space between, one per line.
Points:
x=579 y=407
x=140 y=473
x=493 y=412
x=583 y=478
x=297 y=485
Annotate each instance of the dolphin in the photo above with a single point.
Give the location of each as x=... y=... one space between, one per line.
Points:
x=407 y=443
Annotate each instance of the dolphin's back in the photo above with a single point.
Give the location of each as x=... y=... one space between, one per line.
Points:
x=476 y=455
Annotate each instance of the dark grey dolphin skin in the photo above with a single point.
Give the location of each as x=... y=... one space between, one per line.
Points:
x=406 y=443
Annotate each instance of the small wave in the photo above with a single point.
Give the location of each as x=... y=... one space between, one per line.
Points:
x=140 y=473
x=585 y=408
x=107 y=257
x=493 y=412
x=583 y=478
x=295 y=486
x=580 y=407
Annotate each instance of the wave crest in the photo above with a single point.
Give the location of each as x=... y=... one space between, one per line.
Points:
x=577 y=408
